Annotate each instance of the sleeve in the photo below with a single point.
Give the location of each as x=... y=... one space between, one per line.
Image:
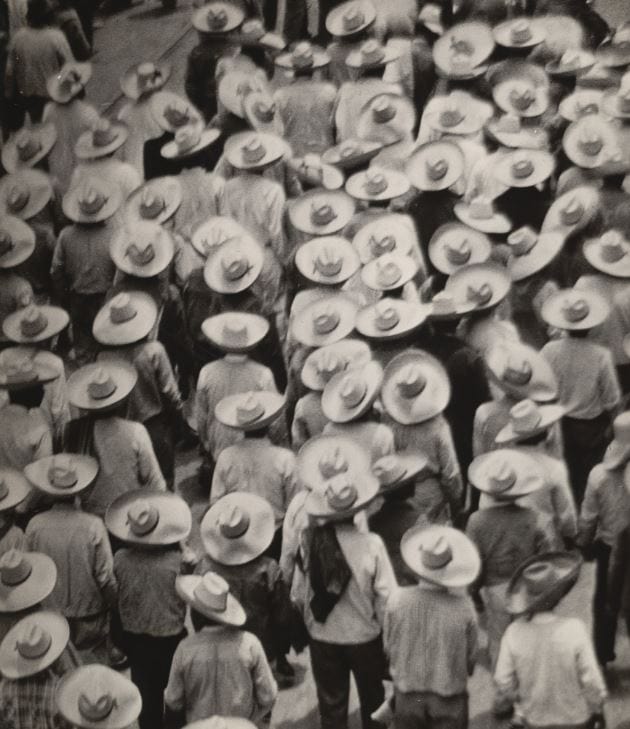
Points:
x=57 y=270
x=384 y=582
x=478 y=425
x=589 y=511
x=291 y=536
x=274 y=199
x=58 y=404
x=76 y=38
x=175 y=692
x=265 y=687
x=450 y=476
x=289 y=479
x=221 y=478
x=148 y=469
x=565 y=515
x=104 y=564
x=165 y=377
x=610 y=391
x=505 y=677
x=588 y=670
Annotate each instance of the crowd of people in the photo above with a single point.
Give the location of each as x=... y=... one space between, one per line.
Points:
x=373 y=265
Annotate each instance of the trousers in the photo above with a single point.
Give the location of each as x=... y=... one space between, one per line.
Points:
x=428 y=710
x=604 y=618
x=584 y=444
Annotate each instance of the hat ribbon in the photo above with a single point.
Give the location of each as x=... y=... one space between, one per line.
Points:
x=101 y=386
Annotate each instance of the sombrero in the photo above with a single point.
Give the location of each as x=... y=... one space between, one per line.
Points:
x=521 y=371
x=189 y=140
x=377 y=183
x=506 y=474
x=254 y=150
x=613 y=53
x=462 y=49
x=457 y=114
x=389 y=233
x=580 y=103
x=101 y=385
x=542 y=581
x=303 y=56
x=34 y=323
x=320 y=212
x=217 y=18
x=26 y=578
x=104 y=139
x=342 y=496
x=144 y=78
x=64 y=474
x=574 y=309
x=250 y=410
x=215 y=232
x=312 y=171
x=210 y=595
x=156 y=201
x=262 y=114
x=171 y=111
x=350 y=394
x=17 y=241
x=93 y=201
x=328 y=319
x=572 y=62
x=221 y=722
x=371 y=54
x=397 y=469
x=352 y=153
x=617 y=103
x=143 y=249
x=386 y=118
x=521 y=97
x=234 y=267
x=520 y=32
x=454 y=246
x=524 y=168
x=327 y=260
x=235 y=331
x=14 y=488
x=532 y=251
x=509 y=132
x=435 y=166
x=324 y=457
x=125 y=319
x=573 y=210
x=33 y=644
x=389 y=272
x=610 y=253
x=324 y=363
x=479 y=286
x=591 y=141
x=350 y=18
x=236 y=85
x=68 y=82
x=28 y=146
x=481 y=215
x=389 y=319
x=528 y=419
x=25 y=193
x=20 y=371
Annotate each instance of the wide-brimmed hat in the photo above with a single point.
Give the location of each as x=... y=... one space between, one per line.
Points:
x=19 y=371
x=253 y=34
x=321 y=212
x=144 y=78
x=415 y=388
x=304 y=55
x=352 y=153
x=613 y=53
x=33 y=644
x=17 y=241
x=101 y=385
x=68 y=82
x=235 y=331
x=457 y=114
x=397 y=469
x=28 y=146
x=532 y=251
x=215 y=232
x=343 y=495
x=521 y=32
x=573 y=210
x=253 y=150
x=156 y=201
x=14 y=488
x=312 y=171
x=97 y=697
x=389 y=319
x=591 y=141
x=234 y=267
x=34 y=323
x=389 y=272
x=328 y=260
x=528 y=419
x=103 y=139
x=64 y=474
x=618 y=450
x=435 y=166
x=371 y=54
x=521 y=97
x=172 y=112
x=262 y=113
x=542 y=581
x=479 y=286
x=572 y=62
x=386 y=118
x=617 y=103
x=480 y=214
x=125 y=319
x=430 y=17
x=143 y=249
x=610 y=253
x=580 y=103
x=350 y=394
x=93 y=201
x=506 y=474
x=441 y=555
x=210 y=595
x=521 y=371
x=389 y=233
x=217 y=18
x=25 y=193
x=509 y=132
x=250 y=410
x=189 y=140
x=26 y=578
x=325 y=362
x=238 y=528
x=377 y=183
x=524 y=168
x=575 y=309
x=462 y=49
x=454 y=246
x=329 y=319
x=149 y=518
x=323 y=457
x=236 y=85
x=350 y=18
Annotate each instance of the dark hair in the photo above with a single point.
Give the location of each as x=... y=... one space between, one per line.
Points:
x=29 y=397
x=200 y=621
x=38 y=13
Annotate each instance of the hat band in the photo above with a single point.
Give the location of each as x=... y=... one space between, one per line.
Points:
x=479 y=295
x=251 y=155
x=101 y=390
x=437 y=170
x=413 y=388
x=6 y=244
x=62 y=478
x=355 y=396
x=215 y=601
x=572 y=214
x=16 y=574
x=33 y=327
x=323 y=215
x=96 y=710
x=151 y=210
x=104 y=137
x=145 y=523
x=382 y=245
x=122 y=314
x=28 y=150
x=342 y=498
x=235 y=528
x=176 y=117
x=326 y=323
x=329 y=266
x=518 y=375
x=91 y=207
x=37 y=649
x=141 y=257
x=458 y=255
x=527 y=424
x=576 y=312
x=387 y=320
x=436 y=560
x=384 y=114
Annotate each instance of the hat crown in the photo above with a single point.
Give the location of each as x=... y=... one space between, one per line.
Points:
x=572 y=211
x=479 y=294
x=101 y=385
x=33 y=321
x=212 y=592
x=332 y=463
x=302 y=55
x=575 y=310
x=509 y=124
x=372 y=51
x=437 y=554
x=590 y=142
x=233 y=523
x=322 y=214
x=148 y=74
x=522 y=241
x=264 y=110
x=539 y=578
x=621 y=428
x=411 y=381
x=18 y=197
x=353 y=390
x=522 y=96
x=121 y=309
x=253 y=150
x=459 y=251
x=19 y=369
x=443 y=303
x=62 y=473
x=375 y=182
x=383 y=110
x=33 y=641
x=143 y=517
x=216 y=18
x=341 y=493
x=329 y=364
x=389 y=469
x=177 y=115
x=151 y=204
x=328 y=261
x=517 y=372
x=187 y=137
x=613 y=246
x=249 y=409
x=388 y=273
x=521 y=31
x=452 y=114
x=583 y=107
x=525 y=416
x=436 y=168
x=27 y=144
x=91 y=200
x=95 y=704
x=235 y=265
x=501 y=477
x=379 y=246
x=352 y=18
x=569 y=59
x=103 y=133
x=480 y=208
x=14 y=568
x=522 y=167
x=325 y=319
x=141 y=252
x=387 y=317
x=235 y=333
x=348 y=149
x=69 y=78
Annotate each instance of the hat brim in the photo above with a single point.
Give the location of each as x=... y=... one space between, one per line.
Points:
x=317 y=506
x=161 y=100
x=413 y=465
x=480 y=247
x=411 y=318
x=300 y=211
x=18 y=488
x=37 y=586
x=275 y=149
x=611 y=107
x=354 y=352
x=541 y=386
x=496 y=224
x=56 y=321
x=334 y=19
x=86 y=149
x=552 y=311
x=501 y=95
x=518 y=599
x=544 y=165
x=164 y=251
x=548 y=246
x=503 y=35
x=13 y=666
x=333 y=407
x=174 y=524
x=587 y=195
x=23 y=238
x=534 y=138
x=363 y=151
x=556 y=69
x=171 y=151
x=169 y=189
x=461 y=571
x=550 y=414
x=72 y=210
x=416 y=171
x=245 y=548
x=617 y=269
x=11 y=159
x=306 y=260
x=225 y=410
x=397 y=185
x=406 y=265
x=216 y=281
x=570 y=144
x=390 y=224
x=40 y=192
x=233 y=613
x=320 y=59
x=528 y=478
x=568 y=107
x=355 y=456
x=493 y=274
x=53 y=86
x=302 y=324
x=123 y=374
x=611 y=55
x=257 y=330
x=616 y=455
x=44 y=375
x=131 y=88
x=86 y=469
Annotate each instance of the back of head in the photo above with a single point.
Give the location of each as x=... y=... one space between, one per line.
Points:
x=38 y=13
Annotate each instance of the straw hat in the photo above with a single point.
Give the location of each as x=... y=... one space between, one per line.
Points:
x=573 y=210
x=522 y=372
x=33 y=644
x=610 y=253
x=26 y=578
x=253 y=150
x=352 y=153
x=531 y=252
x=617 y=103
x=328 y=319
x=386 y=118
x=328 y=260
x=236 y=85
x=68 y=82
x=93 y=201
x=389 y=233
x=97 y=697
x=580 y=103
x=350 y=18
x=479 y=286
x=613 y=53
x=350 y=394
x=218 y=18
x=34 y=324
x=20 y=371
x=14 y=488
x=520 y=32
x=262 y=114
x=17 y=241
x=156 y=201
x=210 y=595
x=618 y=450
x=64 y=474
x=189 y=140
x=509 y=132
x=457 y=113
x=572 y=62
x=171 y=111
x=389 y=319
x=342 y=496
x=234 y=267
x=303 y=56
x=389 y=272
x=250 y=410
x=143 y=249
x=312 y=171
x=542 y=581
x=398 y=469
x=25 y=193
x=324 y=457
x=480 y=214
x=524 y=168
x=104 y=139
x=214 y=232
x=573 y=309
x=144 y=78
x=591 y=141
x=125 y=319
x=28 y=146
x=253 y=34
x=324 y=363
x=371 y=54
x=149 y=518
x=528 y=419
x=454 y=246
x=377 y=183
x=101 y=385
x=415 y=388
x=462 y=49
x=506 y=474
x=320 y=212
x=235 y=331
x=430 y=17
x=435 y=166
x=521 y=97
x=238 y=528
x=441 y=555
